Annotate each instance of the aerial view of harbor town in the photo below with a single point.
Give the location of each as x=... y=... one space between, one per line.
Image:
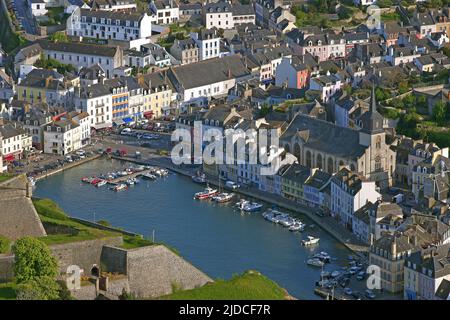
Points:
x=225 y=150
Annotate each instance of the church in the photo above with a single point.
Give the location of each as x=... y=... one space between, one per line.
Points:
x=321 y=144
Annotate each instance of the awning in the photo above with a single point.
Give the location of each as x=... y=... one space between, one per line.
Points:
x=127 y=120
x=9 y=157
x=118 y=122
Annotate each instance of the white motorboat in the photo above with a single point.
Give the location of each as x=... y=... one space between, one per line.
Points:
x=101 y=183
x=149 y=176
x=335 y=274
x=120 y=187
x=205 y=194
x=315 y=262
x=251 y=207
x=310 y=241
x=297 y=226
x=223 y=197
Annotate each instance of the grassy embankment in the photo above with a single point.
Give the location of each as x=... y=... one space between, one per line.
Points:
x=51 y=214
x=250 y=285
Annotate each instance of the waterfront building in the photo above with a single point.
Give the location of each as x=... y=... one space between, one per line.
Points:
x=14 y=141
x=82 y=119
x=157 y=93
x=120 y=100
x=34 y=123
x=350 y=192
x=62 y=137
x=96 y=100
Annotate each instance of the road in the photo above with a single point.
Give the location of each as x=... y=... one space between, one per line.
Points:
x=24 y=15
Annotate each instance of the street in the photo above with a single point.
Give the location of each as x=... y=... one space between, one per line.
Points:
x=23 y=14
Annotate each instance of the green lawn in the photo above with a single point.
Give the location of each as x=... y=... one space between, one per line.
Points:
x=5 y=176
x=7 y=291
x=248 y=286
x=50 y=213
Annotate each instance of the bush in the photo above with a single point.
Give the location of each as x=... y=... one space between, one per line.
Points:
x=33 y=260
x=41 y=288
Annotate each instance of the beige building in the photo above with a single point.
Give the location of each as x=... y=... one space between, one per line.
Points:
x=185 y=51
x=157 y=94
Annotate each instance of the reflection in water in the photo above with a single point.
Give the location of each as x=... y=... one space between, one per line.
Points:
x=214 y=237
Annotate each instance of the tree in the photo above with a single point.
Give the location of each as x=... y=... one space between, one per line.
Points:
x=33 y=260
x=59 y=36
x=40 y=288
x=439 y=112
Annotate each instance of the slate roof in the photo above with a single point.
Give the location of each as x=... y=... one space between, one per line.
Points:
x=113 y=15
x=443 y=291
x=324 y=134
x=217 y=7
x=242 y=10
x=80 y=48
x=210 y=71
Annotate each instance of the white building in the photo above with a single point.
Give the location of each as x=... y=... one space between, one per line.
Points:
x=96 y=100
x=82 y=119
x=85 y=55
x=349 y=192
x=62 y=137
x=166 y=11
x=13 y=142
x=38 y=8
x=327 y=86
x=218 y=15
x=134 y=28
x=208 y=42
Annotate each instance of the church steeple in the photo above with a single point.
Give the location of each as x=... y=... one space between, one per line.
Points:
x=372 y=120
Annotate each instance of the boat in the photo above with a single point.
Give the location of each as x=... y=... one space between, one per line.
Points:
x=223 y=197
x=101 y=183
x=297 y=226
x=87 y=179
x=131 y=182
x=315 y=262
x=325 y=274
x=122 y=173
x=248 y=206
x=120 y=186
x=268 y=215
x=310 y=241
x=161 y=172
x=31 y=181
x=335 y=274
x=149 y=176
x=205 y=194
x=95 y=181
x=199 y=178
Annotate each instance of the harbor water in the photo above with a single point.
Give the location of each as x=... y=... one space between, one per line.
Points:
x=214 y=237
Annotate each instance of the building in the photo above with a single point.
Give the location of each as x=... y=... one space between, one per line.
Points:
x=430 y=179
x=46 y=86
x=208 y=42
x=389 y=254
x=263 y=9
x=131 y=27
x=82 y=119
x=34 y=123
x=166 y=11
x=326 y=85
x=37 y=8
x=197 y=83
x=14 y=142
x=95 y=100
x=243 y=14
x=113 y=5
x=421 y=152
x=62 y=137
x=157 y=94
x=425 y=270
x=349 y=193
x=295 y=71
x=185 y=51
x=7 y=86
x=85 y=55
x=218 y=15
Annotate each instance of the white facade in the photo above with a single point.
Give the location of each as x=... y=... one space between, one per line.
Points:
x=62 y=141
x=165 y=12
x=326 y=85
x=209 y=47
x=99 y=109
x=345 y=202
x=38 y=8
x=109 y=25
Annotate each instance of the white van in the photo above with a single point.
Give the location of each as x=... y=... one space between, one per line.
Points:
x=125 y=131
x=232 y=184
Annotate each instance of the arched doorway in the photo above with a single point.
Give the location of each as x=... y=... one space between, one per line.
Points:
x=330 y=165
x=308 y=159
x=95 y=271
x=319 y=161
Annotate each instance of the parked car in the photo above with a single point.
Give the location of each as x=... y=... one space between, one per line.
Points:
x=348 y=291
x=370 y=294
x=361 y=275
x=125 y=132
x=68 y=158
